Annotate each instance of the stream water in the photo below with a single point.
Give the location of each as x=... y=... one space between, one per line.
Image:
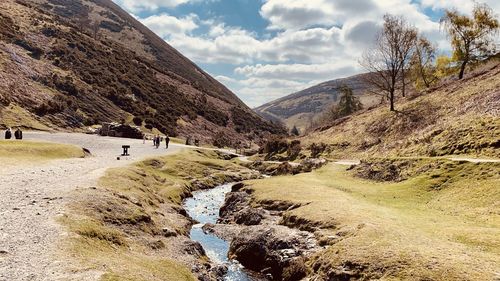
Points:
x=204 y=207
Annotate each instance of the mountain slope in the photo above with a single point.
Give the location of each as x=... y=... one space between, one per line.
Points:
x=454 y=118
x=299 y=109
x=67 y=63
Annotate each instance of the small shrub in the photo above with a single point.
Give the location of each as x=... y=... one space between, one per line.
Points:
x=221 y=140
x=275 y=145
x=137 y=120
x=317 y=149
x=294 y=150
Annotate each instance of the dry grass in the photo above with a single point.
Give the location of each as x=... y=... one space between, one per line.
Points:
x=14 y=116
x=13 y=152
x=118 y=227
x=409 y=230
x=458 y=118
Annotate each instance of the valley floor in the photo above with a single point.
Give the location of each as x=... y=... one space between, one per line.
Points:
x=441 y=224
x=34 y=195
x=99 y=218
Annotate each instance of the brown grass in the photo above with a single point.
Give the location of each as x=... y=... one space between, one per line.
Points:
x=120 y=225
x=440 y=224
x=457 y=118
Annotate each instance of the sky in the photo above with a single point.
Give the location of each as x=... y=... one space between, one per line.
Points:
x=265 y=49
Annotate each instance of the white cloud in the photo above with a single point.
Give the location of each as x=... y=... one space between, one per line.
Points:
x=165 y=25
x=312 y=40
x=464 y=6
x=148 y=5
x=300 y=72
x=299 y=14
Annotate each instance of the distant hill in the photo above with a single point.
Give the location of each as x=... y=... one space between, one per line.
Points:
x=66 y=64
x=299 y=109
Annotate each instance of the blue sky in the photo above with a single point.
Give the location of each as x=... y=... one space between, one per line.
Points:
x=265 y=49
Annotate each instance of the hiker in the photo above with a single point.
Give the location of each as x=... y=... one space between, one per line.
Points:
x=154 y=140
x=144 y=139
x=18 y=134
x=167 y=141
x=8 y=134
x=157 y=141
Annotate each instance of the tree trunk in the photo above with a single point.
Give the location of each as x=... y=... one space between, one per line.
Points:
x=391 y=100
x=403 y=80
x=462 y=70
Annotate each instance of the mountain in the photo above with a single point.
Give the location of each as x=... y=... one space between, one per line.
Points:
x=70 y=63
x=301 y=108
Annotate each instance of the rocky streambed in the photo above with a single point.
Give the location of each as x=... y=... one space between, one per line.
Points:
x=245 y=242
x=204 y=207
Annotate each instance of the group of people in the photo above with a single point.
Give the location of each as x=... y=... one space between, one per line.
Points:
x=18 y=134
x=157 y=141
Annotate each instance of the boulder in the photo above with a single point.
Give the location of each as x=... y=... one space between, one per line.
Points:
x=249 y=216
x=270 y=252
x=237 y=187
x=193 y=248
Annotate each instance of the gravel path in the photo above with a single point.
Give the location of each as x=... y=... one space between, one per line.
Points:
x=33 y=197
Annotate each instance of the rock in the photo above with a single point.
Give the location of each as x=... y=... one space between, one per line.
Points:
x=237 y=187
x=219 y=271
x=234 y=202
x=167 y=232
x=249 y=216
x=86 y=152
x=3 y=252
x=250 y=249
x=270 y=252
x=193 y=248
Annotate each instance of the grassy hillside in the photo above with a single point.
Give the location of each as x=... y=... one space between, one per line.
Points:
x=441 y=223
x=454 y=118
x=302 y=108
x=67 y=64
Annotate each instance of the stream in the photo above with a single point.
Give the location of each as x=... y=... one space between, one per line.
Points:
x=204 y=208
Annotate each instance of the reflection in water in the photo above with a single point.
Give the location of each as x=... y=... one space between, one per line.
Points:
x=204 y=207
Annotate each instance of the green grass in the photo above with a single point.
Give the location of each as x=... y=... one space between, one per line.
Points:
x=13 y=151
x=406 y=230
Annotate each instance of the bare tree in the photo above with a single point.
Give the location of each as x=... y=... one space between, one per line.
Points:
x=471 y=37
x=388 y=59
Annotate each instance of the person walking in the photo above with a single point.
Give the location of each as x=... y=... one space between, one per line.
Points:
x=157 y=141
x=167 y=141
x=8 y=134
x=18 y=134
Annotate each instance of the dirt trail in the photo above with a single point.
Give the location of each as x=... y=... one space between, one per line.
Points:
x=33 y=197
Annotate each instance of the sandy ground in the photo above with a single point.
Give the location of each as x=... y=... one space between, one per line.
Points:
x=33 y=197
